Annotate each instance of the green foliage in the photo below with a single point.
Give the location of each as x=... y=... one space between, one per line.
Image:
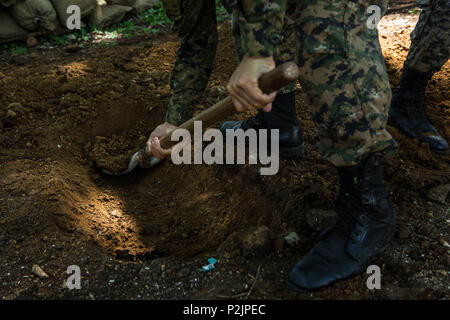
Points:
x=58 y=39
x=16 y=48
x=154 y=16
x=149 y=21
x=221 y=12
x=19 y=51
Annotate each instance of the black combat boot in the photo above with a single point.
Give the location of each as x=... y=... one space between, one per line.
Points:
x=408 y=110
x=364 y=226
x=282 y=117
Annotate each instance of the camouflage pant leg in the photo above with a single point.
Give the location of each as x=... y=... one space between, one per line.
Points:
x=430 y=40
x=344 y=77
x=286 y=50
x=196 y=26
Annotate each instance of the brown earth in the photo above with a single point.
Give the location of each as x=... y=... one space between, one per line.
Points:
x=146 y=235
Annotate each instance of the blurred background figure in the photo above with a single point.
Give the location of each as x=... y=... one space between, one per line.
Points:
x=429 y=51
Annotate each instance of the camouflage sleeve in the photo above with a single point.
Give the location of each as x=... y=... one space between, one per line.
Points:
x=261 y=22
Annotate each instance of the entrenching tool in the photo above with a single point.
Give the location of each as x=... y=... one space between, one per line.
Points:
x=269 y=82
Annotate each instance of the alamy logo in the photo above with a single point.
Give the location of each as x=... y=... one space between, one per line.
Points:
x=74 y=280
x=375 y=12
x=213 y=153
x=74 y=20
x=374 y=280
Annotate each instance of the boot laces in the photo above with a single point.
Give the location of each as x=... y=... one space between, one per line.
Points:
x=351 y=203
x=348 y=206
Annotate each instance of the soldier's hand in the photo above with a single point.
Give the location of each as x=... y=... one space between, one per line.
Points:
x=243 y=84
x=153 y=146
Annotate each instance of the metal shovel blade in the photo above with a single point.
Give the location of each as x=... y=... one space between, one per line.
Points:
x=139 y=158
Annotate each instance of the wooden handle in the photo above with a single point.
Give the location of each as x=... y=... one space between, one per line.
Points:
x=269 y=82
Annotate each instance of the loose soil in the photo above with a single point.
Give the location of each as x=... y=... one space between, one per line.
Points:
x=147 y=234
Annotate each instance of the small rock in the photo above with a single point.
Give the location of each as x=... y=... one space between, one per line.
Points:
x=318 y=219
x=117 y=87
x=130 y=67
x=10 y=119
x=38 y=271
x=11 y=114
x=31 y=42
x=16 y=107
x=292 y=239
x=444 y=243
x=256 y=243
x=403 y=232
x=439 y=194
x=57 y=247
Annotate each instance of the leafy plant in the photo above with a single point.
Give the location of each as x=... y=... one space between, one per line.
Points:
x=19 y=51
x=58 y=39
x=221 y=12
x=16 y=48
x=154 y=16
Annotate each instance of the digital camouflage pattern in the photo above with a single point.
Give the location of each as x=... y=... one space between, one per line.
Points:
x=344 y=76
x=286 y=49
x=196 y=25
x=342 y=69
x=430 y=40
x=261 y=25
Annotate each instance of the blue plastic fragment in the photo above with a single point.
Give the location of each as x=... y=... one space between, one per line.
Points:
x=210 y=266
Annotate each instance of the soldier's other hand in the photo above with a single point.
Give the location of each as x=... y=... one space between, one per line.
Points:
x=243 y=84
x=153 y=146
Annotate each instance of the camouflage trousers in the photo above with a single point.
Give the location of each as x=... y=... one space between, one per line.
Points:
x=196 y=26
x=430 y=40
x=344 y=77
x=343 y=74
x=286 y=50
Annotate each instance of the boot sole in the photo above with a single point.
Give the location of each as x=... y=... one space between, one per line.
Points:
x=438 y=152
x=292 y=286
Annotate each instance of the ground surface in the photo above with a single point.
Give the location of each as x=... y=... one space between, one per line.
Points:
x=147 y=234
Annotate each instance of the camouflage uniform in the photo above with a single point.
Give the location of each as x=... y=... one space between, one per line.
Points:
x=196 y=25
x=342 y=72
x=286 y=51
x=430 y=40
x=342 y=69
